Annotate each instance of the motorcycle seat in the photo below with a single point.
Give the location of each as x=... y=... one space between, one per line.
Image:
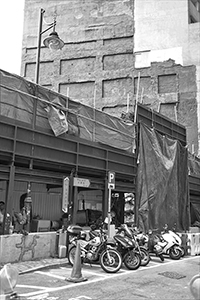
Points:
x=74 y=229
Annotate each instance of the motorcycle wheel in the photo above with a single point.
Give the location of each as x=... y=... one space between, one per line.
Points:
x=175 y=253
x=132 y=260
x=145 y=257
x=110 y=261
x=71 y=255
x=183 y=251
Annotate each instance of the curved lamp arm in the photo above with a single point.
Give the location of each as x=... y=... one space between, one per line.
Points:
x=53 y=41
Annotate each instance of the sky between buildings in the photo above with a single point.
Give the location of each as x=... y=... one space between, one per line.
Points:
x=11 y=24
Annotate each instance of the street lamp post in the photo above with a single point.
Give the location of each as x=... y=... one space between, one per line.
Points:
x=52 y=41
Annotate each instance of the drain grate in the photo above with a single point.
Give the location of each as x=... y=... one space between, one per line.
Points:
x=172 y=275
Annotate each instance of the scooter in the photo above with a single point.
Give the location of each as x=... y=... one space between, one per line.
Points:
x=174 y=244
x=178 y=238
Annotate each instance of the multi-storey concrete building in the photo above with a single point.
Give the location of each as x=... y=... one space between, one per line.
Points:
x=109 y=45
x=171 y=30
x=97 y=62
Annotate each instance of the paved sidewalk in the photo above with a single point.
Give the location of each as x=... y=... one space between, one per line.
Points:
x=30 y=266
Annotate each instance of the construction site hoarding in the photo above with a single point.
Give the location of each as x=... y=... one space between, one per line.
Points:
x=24 y=101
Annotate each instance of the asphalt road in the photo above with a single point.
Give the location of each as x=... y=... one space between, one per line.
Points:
x=164 y=281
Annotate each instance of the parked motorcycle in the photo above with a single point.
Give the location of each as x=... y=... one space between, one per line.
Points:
x=95 y=250
x=174 y=244
x=153 y=242
x=142 y=251
x=167 y=242
x=178 y=239
x=126 y=246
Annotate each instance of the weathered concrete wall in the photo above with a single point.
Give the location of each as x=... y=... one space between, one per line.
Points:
x=163 y=31
x=193 y=56
x=96 y=64
x=198 y=103
x=18 y=247
x=171 y=89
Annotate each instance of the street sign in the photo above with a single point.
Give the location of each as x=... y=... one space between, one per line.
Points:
x=81 y=182
x=111 y=186
x=111 y=180
x=65 y=194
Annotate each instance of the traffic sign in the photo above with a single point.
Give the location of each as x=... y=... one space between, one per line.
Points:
x=81 y=182
x=111 y=180
x=111 y=177
x=111 y=186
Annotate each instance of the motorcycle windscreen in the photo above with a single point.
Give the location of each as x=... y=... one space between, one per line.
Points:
x=162 y=192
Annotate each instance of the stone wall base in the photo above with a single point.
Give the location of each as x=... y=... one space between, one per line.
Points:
x=37 y=245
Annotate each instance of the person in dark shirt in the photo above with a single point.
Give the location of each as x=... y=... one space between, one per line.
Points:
x=7 y=220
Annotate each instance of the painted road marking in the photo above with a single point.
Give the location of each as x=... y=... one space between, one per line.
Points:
x=64 y=277
x=39 y=297
x=43 y=296
x=46 y=296
x=80 y=298
x=94 y=273
x=73 y=285
x=69 y=270
x=32 y=286
x=51 y=275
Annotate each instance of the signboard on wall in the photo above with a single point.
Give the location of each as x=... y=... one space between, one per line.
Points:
x=81 y=182
x=65 y=194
